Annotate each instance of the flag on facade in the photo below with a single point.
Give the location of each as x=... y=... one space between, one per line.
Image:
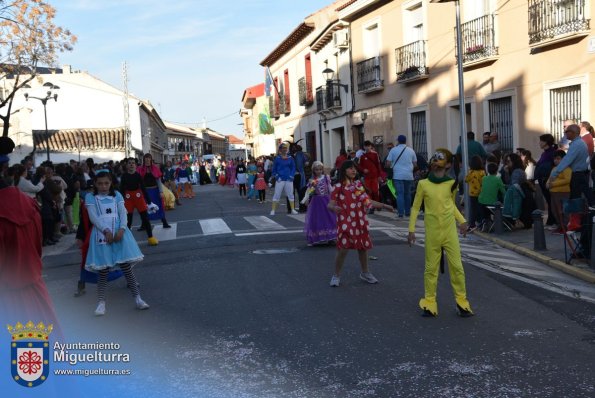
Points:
x=268 y=81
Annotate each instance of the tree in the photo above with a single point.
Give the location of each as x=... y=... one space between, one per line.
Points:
x=28 y=38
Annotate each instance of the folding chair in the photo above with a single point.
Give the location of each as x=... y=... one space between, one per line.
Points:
x=505 y=222
x=572 y=239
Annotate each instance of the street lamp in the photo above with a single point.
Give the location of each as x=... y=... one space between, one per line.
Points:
x=44 y=100
x=329 y=74
x=79 y=143
x=464 y=149
x=363 y=116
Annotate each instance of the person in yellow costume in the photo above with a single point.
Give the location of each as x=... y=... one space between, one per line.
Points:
x=440 y=217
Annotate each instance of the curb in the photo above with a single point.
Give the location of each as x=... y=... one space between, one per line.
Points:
x=587 y=276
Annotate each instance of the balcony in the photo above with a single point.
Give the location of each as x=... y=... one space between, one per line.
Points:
x=411 y=62
x=552 y=21
x=328 y=97
x=369 y=76
x=305 y=92
x=478 y=40
x=274 y=107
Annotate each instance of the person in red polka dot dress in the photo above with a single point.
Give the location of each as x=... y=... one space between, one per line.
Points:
x=351 y=203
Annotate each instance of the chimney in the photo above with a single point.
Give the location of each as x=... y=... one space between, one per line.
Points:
x=66 y=69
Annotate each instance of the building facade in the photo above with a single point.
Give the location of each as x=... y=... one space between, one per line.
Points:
x=86 y=119
x=527 y=66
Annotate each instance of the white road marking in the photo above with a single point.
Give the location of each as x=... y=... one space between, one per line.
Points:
x=263 y=223
x=300 y=217
x=287 y=231
x=163 y=234
x=377 y=223
x=214 y=226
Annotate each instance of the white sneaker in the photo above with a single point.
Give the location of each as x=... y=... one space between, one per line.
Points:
x=294 y=211
x=140 y=303
x=100 y=310
x=368 y=277
x=335 y=281
x=272 y=213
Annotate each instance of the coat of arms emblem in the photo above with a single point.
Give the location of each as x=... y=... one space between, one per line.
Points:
x=29 y=353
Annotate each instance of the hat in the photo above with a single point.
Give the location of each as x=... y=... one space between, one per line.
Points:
x=401 y=139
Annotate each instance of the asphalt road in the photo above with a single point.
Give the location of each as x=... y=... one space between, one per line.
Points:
x=249 y=313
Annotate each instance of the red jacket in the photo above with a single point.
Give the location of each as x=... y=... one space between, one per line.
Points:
x=370 y=161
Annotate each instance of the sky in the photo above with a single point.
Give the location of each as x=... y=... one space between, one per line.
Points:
x=192 y=59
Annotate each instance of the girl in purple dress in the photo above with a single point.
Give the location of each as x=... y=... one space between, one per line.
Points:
x=321 y=224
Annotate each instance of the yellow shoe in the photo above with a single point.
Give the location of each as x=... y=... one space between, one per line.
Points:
x=153 y=241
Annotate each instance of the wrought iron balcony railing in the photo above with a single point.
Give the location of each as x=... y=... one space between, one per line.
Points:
x=411 y=61
x=274 y=107
x=328 y=97
x=369 y=75
x=549 y=19
x=478 y=39
x=333 y=94
x=305 y=92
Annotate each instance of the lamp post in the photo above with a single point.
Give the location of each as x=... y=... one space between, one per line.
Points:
x=44 y=100
x=464 y=148
x=363 y=116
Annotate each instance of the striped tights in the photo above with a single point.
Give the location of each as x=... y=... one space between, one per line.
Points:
x=128 y=274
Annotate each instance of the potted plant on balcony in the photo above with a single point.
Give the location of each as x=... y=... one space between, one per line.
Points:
x=479 y=48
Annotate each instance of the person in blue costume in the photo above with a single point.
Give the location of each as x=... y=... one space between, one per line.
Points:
x=83 y=236
x=252 y=170
x=283 y=173
x=111 y=243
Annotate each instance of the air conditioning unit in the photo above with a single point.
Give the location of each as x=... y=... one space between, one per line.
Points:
x=341 y=39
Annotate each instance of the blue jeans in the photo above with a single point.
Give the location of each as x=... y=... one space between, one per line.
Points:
x=403 y=188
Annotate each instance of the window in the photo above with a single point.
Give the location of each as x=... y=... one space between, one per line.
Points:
x=309 y=96
x=286 y=94
x=371 y=40
x=419 y=133
x=413 y=22
x=501 y=121
x=565 y=103
x=475 y=9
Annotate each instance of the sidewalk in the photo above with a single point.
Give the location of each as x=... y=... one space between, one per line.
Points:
x=522 y=242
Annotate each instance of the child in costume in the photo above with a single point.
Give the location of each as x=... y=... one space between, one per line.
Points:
x=440 y=216
x=350 y=202
x=252 y=169
x=321 y=224
x=136 y=197
x=221 y=174
x=111 y=243
x=473 y=178
x=241 y=177
x=183 y=180
x=152 y=179
x=169 y=180
x=83 y=237
x=560 y=192
x=491 y=187
x=260 y=184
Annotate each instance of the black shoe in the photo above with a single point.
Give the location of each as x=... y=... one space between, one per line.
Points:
x=166 y=225
x=427 y=314
x=48 y=242
x=54 y=240
x=463 y=313
x=140 y=229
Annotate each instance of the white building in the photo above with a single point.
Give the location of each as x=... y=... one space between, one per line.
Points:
x=87 y=119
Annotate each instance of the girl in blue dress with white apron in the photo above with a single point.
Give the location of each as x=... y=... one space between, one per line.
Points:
x=111 y=244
